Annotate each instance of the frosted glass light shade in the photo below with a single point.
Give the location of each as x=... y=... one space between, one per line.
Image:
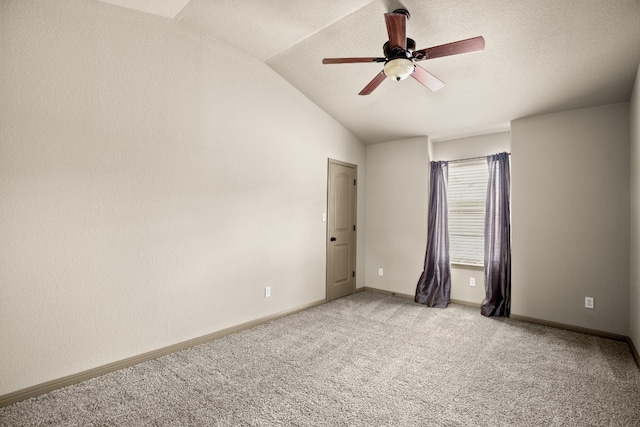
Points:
x=398 y=69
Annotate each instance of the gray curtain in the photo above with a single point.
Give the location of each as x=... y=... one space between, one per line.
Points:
x=434 y=286
x=497 y=239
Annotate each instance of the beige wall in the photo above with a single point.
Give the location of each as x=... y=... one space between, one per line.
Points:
x=147 y=194
x=464 y=148
x=570 y=210
x=397 y=202
x=634 y=292
x=396 y=209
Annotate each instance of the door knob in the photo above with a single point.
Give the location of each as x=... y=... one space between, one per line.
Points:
x=333 y=239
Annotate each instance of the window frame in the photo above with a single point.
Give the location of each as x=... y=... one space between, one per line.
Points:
x=467 y=210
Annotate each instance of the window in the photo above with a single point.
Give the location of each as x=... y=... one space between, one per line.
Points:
x=467 y=194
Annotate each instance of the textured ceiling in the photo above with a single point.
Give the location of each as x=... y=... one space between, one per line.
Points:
x=541 y=56
x=166 y=8
x=262 y=28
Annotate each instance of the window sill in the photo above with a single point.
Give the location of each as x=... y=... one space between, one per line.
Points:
x=468 y=266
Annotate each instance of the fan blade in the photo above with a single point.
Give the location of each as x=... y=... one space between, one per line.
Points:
x=350 y=60
x=463 y=46
x=427 y=79
x=397 y=30
x=373 y=84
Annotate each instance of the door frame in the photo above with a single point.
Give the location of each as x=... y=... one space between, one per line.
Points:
x=331 y=161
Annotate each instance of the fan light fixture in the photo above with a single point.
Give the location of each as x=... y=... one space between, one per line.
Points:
x=401 y=57
x=399 y=68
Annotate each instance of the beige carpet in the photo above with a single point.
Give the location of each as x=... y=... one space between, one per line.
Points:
x=364 y=360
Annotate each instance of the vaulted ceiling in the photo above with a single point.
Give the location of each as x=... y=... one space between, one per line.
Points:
x=541 y=56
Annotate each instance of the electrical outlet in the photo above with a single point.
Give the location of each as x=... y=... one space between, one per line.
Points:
x=588 y=302
x=472 y=281
x=380 y=272
x=267 y=291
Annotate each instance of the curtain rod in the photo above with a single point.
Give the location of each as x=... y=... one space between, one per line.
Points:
x=471 y=158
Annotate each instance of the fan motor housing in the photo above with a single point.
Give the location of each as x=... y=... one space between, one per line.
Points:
x=404 y=12
x=399 y=52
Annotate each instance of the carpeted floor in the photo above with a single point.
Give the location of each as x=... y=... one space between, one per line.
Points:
x=364 y=360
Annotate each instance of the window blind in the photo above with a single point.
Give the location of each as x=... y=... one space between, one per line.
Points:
x=466 y=197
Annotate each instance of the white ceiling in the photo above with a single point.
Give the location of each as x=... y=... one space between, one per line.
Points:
x=166 y=8
x=541 y=56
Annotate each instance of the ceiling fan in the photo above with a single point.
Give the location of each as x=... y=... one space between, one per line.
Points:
x=400 y=56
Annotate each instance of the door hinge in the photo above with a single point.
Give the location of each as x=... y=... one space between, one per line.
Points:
x=354 y=228
x=354 y=274
x=354 y=182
